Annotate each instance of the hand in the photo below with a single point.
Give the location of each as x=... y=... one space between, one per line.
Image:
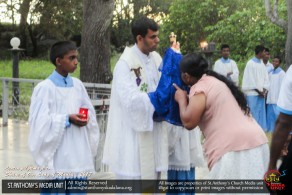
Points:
x=173 y=45
x=180 y=95
x=265 y=93
x=76 y=119
x=176 y=46
x=262 y=93
x=229 y=73
x=284 y=151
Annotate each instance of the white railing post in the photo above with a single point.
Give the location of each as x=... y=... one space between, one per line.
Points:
x=5 y=102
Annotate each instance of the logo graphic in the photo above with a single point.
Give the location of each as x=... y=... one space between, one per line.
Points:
x=272 y=179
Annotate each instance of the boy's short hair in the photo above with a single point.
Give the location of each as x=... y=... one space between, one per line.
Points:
x=267 y=50
x=258 y=49
x=279 y=58
x=141 y=26
x=61 y=48
x=223 y=46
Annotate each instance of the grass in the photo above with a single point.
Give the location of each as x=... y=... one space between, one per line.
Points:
x=39 y=69
x=31 y=69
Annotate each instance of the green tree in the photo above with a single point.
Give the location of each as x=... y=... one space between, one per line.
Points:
x=188 y=19
x=285 y=24
x=11 y=9
x=126 y=11
x=245 y=28
x=241 y=24
x=44 y=18
x=95 y=44
x=23 y=25
x=59 y=19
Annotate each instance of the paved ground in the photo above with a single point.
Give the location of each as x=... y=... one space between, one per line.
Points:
x=14 y=152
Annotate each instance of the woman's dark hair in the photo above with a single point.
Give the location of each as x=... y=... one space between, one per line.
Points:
x=195 y=65
x=141 y=26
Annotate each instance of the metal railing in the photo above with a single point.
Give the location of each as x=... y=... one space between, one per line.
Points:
x=15 y=102
x=16 y=95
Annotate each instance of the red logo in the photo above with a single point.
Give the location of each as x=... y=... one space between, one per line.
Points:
x=272 y=179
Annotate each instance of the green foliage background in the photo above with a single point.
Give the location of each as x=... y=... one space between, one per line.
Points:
x=240 y=23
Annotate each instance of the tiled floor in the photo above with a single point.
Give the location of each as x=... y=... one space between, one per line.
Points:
x=14 y=153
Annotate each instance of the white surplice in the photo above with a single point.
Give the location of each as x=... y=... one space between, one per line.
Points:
x=223 y=67
x=131 y=118
x=52 y=144
x=255 y=76
x=276 y=78
x=285 y=97
x=268 y=66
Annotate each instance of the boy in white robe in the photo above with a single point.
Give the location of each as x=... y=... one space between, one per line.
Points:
x=60 y=138
x=276 y=76
x=255 y=83
x=227 y=66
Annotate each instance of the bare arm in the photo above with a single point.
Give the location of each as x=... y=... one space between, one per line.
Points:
x=190 y=112
x=262 y=93
x=282 y=129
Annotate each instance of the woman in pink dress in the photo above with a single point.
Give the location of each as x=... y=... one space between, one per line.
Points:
x=235 y=145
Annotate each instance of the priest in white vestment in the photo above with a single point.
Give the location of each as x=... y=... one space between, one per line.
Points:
x=135 y=145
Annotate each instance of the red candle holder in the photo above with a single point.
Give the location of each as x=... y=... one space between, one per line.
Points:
x=84 y=112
